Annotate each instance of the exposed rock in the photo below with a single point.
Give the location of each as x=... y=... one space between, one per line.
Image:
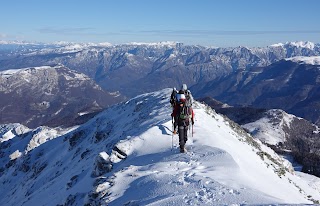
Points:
x=102 y=164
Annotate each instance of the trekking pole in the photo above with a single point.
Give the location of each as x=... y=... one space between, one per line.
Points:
x=192 y=130
x=172 y=135
x=189 y=128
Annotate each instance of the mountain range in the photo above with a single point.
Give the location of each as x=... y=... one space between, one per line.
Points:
x=289 y=84
x=126 y=155
x=132 y=69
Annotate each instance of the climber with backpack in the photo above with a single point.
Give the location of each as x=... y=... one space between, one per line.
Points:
x=173 y=101
x=188 y=94
x=182 y=115
x=173 y=97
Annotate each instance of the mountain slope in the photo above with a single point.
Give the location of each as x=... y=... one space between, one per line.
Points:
x=288 y=135
x=50 y=95
x=123 y=156
x=288 y=85
x=291 y=135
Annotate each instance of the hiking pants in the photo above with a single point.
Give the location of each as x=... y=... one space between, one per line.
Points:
x=183 y=135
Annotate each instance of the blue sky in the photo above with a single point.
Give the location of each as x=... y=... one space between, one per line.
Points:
x=222 y=23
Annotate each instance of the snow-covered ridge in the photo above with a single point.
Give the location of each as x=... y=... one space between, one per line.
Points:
x=314 y=60
x=127 y=156
x=30 y=70
x=80 y=46
x=10 y=72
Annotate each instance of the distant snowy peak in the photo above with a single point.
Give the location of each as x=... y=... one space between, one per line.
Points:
x=156 y=44
x=68 y=74
x=80 y=46
x=10 y=72
x=307 y=44
x=299 y=44
x=89 y=44
x=18 y=42
x=314 y=60
x=106 y=44
x=62 y=44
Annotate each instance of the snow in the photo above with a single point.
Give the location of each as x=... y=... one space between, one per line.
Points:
x=115 y=94
x=158 y=44
x=15 y=155
x=314 y=60
x=28 y=70
x=277 y=45
x=307 y=44
x=82 y=113
x=299 y=44
x=17 y=42
x=42 y=135
x=9 y=72
x=105 y=44
x=8 y=135
x=10 y=131
x=75 y=75
x=223 y=165
x=268 y=132
x=75 y=47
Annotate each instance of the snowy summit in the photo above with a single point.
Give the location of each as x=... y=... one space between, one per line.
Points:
x=127 y=155
x=314 y=60
x=301 y=44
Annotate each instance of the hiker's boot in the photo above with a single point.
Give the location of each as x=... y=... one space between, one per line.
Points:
x=183 y=150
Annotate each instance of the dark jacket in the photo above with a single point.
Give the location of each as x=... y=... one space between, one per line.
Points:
x=173 y=98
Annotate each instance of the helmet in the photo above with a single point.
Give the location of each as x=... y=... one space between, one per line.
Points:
x=181 y=98
x=184 y=87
